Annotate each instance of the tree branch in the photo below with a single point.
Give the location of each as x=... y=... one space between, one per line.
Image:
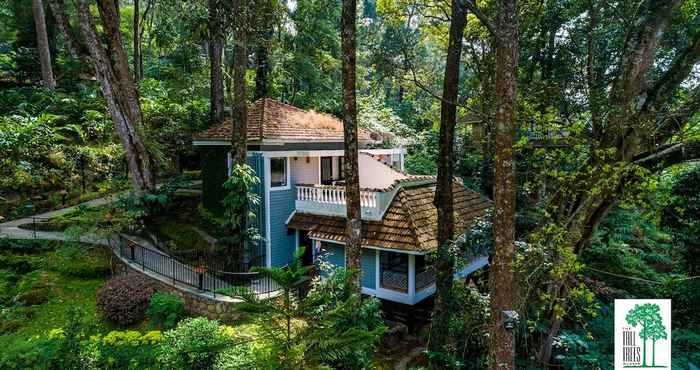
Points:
x=668 y=83
x=639 y=50
x=485 y=20
x=675 y=120
x=669 y=155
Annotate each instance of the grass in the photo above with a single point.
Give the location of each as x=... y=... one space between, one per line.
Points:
x=34 y=269
x=66 y=294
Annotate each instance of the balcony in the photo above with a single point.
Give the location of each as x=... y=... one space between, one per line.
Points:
x=329 y=200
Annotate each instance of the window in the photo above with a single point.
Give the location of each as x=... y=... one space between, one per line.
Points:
x=341 y=170
x=278 y=172
x=326 y=170
x=396 y=161
x=394 y=271
x=425 y=273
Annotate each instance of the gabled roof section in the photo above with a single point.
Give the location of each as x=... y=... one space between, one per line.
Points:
x=271 y=120
x=409 y=224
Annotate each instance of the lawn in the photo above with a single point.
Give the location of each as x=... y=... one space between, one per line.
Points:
x=42 y=283
x=66 y=294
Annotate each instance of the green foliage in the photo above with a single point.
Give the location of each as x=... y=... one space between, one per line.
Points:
x=238 y=203
x=331 y=327
x=628 y=243
x=681 y=215
x=237 y=356
x=193 y=344
x=467 y=328
x=165 y=310
x=344 y=330
x=77 y=345
x=81 y=260
x=144 y=208
x=124 y=299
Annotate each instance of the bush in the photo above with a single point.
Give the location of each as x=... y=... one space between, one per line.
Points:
x=193 y=344
x=124 y=299
x=27 y=246
x=81 y=261
x=7 y=280
x=238 y=356
x=33 y=297
x=165 y=310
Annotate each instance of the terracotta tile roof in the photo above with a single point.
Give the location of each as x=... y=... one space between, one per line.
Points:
x=273 y=120
x=410 y=222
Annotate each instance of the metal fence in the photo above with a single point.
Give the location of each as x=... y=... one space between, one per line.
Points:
x=201 y=277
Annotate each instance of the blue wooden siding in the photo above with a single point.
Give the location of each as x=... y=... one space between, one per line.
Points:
x=257 y=162
x=335 y=255
x=282 y=241
x=369 y=268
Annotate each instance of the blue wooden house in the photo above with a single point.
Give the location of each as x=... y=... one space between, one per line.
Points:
x=298 y=156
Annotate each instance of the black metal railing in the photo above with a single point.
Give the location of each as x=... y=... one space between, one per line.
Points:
x=202 y=277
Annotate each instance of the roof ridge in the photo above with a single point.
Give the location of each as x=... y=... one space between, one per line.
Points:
x=263 y=117
x=409 y=214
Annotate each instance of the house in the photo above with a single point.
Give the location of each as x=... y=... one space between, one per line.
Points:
x=298 y=156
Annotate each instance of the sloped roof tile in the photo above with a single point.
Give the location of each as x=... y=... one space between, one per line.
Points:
x=269 y=119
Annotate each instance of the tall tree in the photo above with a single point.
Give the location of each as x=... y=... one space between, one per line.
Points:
x=504 y=289
x=241 y=31
x=642 y=113
x=42 y=41
x=444 y=200
x=353 y=225
x=241 y=25
x=216 y=42
x=262 y=66
x=112 y=70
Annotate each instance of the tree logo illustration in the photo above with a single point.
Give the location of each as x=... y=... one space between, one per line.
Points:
x=648 y=315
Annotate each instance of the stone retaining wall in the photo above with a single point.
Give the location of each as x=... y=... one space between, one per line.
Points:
x=196 y=303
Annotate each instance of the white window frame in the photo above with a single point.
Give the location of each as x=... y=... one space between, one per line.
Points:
x=288 y=173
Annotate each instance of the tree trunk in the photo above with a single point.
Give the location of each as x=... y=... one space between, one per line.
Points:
x=353 y=226
x=262 y=66
x=504 y=289
x=42 y=42
x=216 y=98
x=58 y=9
x=112 y=70
x=444 y=200
x=138 y=66
x=240 y=110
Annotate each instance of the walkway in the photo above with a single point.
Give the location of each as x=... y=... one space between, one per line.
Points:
x=147 y=258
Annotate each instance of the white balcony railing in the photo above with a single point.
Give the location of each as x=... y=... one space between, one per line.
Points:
x=331 y=200
x=333 y=195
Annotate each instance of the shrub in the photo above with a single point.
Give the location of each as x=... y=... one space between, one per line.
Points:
x=33 y=297
x=238 y=356
x=7 y=279
x=194 y=344
x=165 y=310
x=80 y=260
x=27 y=246
x=124 y=299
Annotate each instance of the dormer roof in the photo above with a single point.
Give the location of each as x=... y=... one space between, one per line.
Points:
x=273 y=121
